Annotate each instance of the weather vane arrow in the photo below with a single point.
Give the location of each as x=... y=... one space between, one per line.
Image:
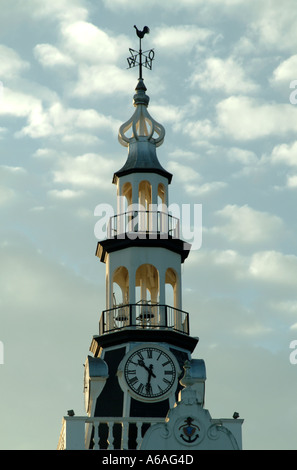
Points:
x=141 y=58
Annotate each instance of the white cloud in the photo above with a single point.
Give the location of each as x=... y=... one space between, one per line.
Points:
x=226 y=75
x=173 y=5
x=245 y=157
x=183 y=154
x=50 y=56
x=274 y=24
x=243 y=118
x=11 y=63
x=286 y=71
x=199 y=130
x=292 y=181
x=91 y=44
x=167 y=113
x=181 y=38
x=183 y=173
x=275 y=267
x=85 y=171
x=107 y=80
x=65 y=194
x=18 y=104
x=205 y=188
x=247 y=225
x=62 y=121
x=62 y=10
x=6 y=195
x=285 y=154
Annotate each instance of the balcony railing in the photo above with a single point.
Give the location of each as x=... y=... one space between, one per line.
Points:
x=144 y=316
x=83 y=433
x=143 y=223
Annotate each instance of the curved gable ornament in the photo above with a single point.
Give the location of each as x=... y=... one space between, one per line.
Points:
x=188 y=426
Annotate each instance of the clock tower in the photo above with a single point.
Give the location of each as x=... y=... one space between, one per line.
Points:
x=135 y=377
x=144 y=336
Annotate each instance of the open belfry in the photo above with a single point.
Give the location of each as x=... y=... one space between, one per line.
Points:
x=142 y=388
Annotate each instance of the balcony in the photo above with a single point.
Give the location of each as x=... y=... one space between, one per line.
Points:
x=84 y=433
x=143 y=316
x=143 y=224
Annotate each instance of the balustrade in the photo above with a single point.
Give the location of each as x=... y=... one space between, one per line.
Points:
x=103 y=433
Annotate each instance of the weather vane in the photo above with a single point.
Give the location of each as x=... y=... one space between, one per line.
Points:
x=141 y=58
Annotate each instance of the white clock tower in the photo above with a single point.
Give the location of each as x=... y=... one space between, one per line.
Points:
x=132 y=380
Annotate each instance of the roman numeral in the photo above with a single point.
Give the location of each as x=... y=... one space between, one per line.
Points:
x=140 y=388
x=133 y=380
x=149 y=353
x=165 y=363
x=168 y=372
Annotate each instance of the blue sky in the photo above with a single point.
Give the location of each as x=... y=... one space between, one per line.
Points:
x=220 y=85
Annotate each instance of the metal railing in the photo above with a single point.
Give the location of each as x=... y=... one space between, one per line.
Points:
x=145 y=223
x=144 y=316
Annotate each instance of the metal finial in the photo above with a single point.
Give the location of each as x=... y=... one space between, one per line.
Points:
x=141 y=58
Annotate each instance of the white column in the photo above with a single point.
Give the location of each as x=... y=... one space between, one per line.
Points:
x=162 y=295
x=132 y=273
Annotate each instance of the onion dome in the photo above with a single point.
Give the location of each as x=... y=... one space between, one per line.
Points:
x=142 y=135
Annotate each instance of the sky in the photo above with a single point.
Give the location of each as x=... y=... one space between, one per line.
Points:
x=220 y=85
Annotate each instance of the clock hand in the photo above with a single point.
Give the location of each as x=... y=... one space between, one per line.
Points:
x=148 y=369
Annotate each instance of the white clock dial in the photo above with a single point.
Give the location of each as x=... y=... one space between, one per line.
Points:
x=150 y=373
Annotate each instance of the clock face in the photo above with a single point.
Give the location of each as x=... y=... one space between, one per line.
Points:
x=150 y=373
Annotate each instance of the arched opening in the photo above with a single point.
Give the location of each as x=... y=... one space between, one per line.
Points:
x=120 y=286
x=162 y=200
x=145 y=201
x=127 y=194
x=145 y=194
x=147 y=294
x=171 y=288
x=125 y=201
x=120 y=293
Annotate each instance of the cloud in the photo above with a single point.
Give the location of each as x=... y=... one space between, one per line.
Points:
x=18 y=104
x=50 y=56
x=292 y=181
x=58 y=120
x=243 y=118
x=285 y=154
x=247 y=226
x=225 y=75
x=275 y=26
x=243 y=156
x=182 y=38
x=173 y=5
x=199 y=130
x=90 y=44
x=98 y=80
x=205 y=188
x=85 y=171
x=62 y=10
x=65 y=194
x=286 y=71
x=183 y=173
x=11 y=64
x=274 y=267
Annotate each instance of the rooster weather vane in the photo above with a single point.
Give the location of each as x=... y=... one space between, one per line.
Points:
x=141 y=58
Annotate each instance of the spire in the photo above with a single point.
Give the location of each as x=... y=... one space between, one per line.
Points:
x=141 y=133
